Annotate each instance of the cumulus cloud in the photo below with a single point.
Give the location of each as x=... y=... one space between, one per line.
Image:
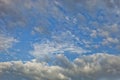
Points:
x=95 y=67
x=30 y=70
x=6 y=42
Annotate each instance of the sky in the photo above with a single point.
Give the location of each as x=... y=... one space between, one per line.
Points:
x=59 y=39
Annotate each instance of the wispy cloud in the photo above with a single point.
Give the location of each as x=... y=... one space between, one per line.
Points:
x=49 y=49
x=6 y=42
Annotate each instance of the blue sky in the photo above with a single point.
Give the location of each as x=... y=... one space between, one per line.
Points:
x=60 y=34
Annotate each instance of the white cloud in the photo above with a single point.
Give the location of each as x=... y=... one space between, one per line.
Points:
x=108 y=35
x=61 y=42
x=93 y=33
x=48 y=48
x=95 y=67
x=6 y=42
x=110 y=40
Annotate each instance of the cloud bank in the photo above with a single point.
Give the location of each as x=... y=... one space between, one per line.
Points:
x=99 y=66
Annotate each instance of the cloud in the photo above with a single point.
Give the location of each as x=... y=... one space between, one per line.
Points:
x=109 y=33
x=96 y=19
x=51 y=17
x=106 y=35
x=46 y=8
x=110 y=40
x=49 y=48
x=6 y=42
x=30 y=70
x=95 y=67
x=90 y=4
x=10 y=14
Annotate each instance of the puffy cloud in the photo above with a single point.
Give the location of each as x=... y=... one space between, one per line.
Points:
x=96 y=67
x=105 y=36
x=109 y=33
x=30 y=70
x=6 y=42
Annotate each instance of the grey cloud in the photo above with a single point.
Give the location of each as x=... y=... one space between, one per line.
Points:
x=19 y=13
x=95 y=67
x=62 y=61
x=31 y=71
x=91 y=3
x=10 y=13
x=110 y=33
x=9 y=8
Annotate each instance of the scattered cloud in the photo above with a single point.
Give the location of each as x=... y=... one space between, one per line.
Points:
x=70 y=24
x=6 y=42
